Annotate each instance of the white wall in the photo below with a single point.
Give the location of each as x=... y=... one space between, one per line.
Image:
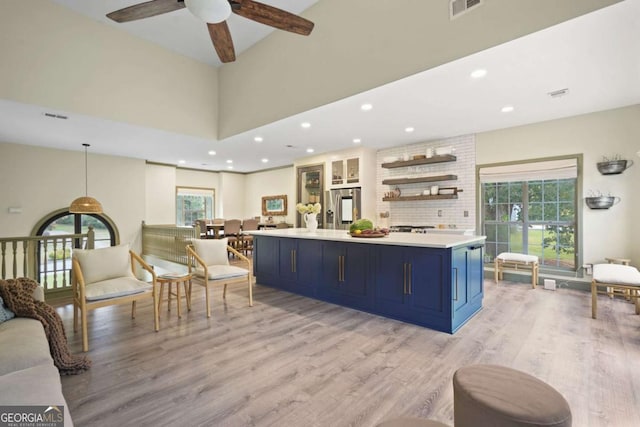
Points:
x=270 y=183
x=614 y=232
x=160 y=194
x=69 y=62
x=41 y=180
x=232 y=189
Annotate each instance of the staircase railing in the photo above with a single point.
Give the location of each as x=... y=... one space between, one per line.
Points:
x=167 y=242
x=46 y=259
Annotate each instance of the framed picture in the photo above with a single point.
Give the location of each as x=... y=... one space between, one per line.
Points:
x=274 y=205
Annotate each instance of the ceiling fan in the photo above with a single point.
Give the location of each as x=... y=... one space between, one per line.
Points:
x=214 y=13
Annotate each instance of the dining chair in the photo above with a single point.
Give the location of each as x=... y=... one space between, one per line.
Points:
x=247 y=239
x=106 y=276
x=232 y=233
x=202 y=226
x=209 y=259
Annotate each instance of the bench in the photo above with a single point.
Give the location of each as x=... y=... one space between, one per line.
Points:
x=614 y=277
x=518 y=262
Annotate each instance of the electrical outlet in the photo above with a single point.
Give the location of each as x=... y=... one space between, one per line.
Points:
x=439 y=212
x=466 y=214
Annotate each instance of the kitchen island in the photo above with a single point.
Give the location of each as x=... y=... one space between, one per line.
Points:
x=432 y=280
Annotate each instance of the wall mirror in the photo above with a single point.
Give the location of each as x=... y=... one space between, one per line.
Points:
x=274 y=205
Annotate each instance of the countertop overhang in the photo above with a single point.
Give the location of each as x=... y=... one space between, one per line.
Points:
x=433 y=240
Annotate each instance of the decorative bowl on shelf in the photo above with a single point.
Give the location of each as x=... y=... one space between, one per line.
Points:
x=613 y=167
x=601 y=202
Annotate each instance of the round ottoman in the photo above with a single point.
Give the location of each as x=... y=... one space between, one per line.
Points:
x=496 y=396
x=411 y=422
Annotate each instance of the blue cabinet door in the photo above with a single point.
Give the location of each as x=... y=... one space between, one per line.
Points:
x=345 y=274
x=391 y=281
x=308 y=262
x=427 y=278
x=287 y=266
x=409 y=285
x=265 y=259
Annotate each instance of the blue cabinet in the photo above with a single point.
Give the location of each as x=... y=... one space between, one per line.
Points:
x=440 y=288
x=345 y=274
x=288 y=264
x=409 y=285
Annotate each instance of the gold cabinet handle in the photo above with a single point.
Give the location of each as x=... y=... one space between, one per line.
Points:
x=455 y=298
x=409 y=277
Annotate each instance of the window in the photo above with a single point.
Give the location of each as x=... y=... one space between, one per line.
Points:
x=193 y=204
x=531 y=208
x=53 y=267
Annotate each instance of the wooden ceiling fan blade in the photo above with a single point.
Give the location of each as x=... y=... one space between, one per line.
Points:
x=272 y=16
x=222 y=42
x=145 y=10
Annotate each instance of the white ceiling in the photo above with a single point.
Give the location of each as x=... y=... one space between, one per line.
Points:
x=597 y=57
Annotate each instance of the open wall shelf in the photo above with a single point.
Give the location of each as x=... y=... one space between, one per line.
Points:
x=412 y=198
x=398 y=181
x=418 y=162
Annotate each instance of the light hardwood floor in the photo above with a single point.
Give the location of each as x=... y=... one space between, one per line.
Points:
x=294 y=361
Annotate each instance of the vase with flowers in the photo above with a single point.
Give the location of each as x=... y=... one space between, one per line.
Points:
x=310 y=213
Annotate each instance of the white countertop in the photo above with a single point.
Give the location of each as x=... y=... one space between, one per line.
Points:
x=433 y=240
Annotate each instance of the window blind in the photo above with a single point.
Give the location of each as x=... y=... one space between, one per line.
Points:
x=531 y=171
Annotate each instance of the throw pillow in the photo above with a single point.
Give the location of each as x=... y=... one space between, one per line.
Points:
x=212 y=251
x=104 y=263
x=5 y=313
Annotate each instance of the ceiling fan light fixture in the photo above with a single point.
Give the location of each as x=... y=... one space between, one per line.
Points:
x=209 y=11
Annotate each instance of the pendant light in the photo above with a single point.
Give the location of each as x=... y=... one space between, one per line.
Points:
x=85 y=204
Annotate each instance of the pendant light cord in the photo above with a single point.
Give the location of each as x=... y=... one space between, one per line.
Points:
x=86 y=174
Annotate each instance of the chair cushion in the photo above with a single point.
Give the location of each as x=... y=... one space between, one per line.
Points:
x=104 y=263
x=212 y=251
x=616 y=273
x=219 y=272
x=114 y=288
x=510 y=256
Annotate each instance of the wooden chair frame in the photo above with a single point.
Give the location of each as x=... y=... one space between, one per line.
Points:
x=194 y=259
x=81 y=304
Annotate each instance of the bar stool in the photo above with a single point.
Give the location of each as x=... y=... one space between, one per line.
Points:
x=497 y=396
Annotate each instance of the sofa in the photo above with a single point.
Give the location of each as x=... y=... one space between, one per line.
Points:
x=27 y=373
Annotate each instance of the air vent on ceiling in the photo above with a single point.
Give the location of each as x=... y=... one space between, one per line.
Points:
x=558 y=93
x=56 y=116
x=460 y=7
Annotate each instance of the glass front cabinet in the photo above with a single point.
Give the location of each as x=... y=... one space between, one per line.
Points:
x=345 y=171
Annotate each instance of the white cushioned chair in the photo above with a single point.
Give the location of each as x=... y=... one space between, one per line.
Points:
x=209 y=259
x=105 y=276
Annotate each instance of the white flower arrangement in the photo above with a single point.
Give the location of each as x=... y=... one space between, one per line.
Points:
x=309 y=208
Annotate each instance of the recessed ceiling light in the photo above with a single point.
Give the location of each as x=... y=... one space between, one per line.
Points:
x=507 y=109
x=479 y=73
x=357 y=140
x=409 y=129
x=310 y=150
x=182 y=162
x=305 y=125
x=366 y=107
x=229 y=167
x=258 y=139
x=265 y=160
x=212 y=153
x=229 y=161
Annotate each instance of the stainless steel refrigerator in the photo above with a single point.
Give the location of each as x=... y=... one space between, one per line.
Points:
x=343 y=207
